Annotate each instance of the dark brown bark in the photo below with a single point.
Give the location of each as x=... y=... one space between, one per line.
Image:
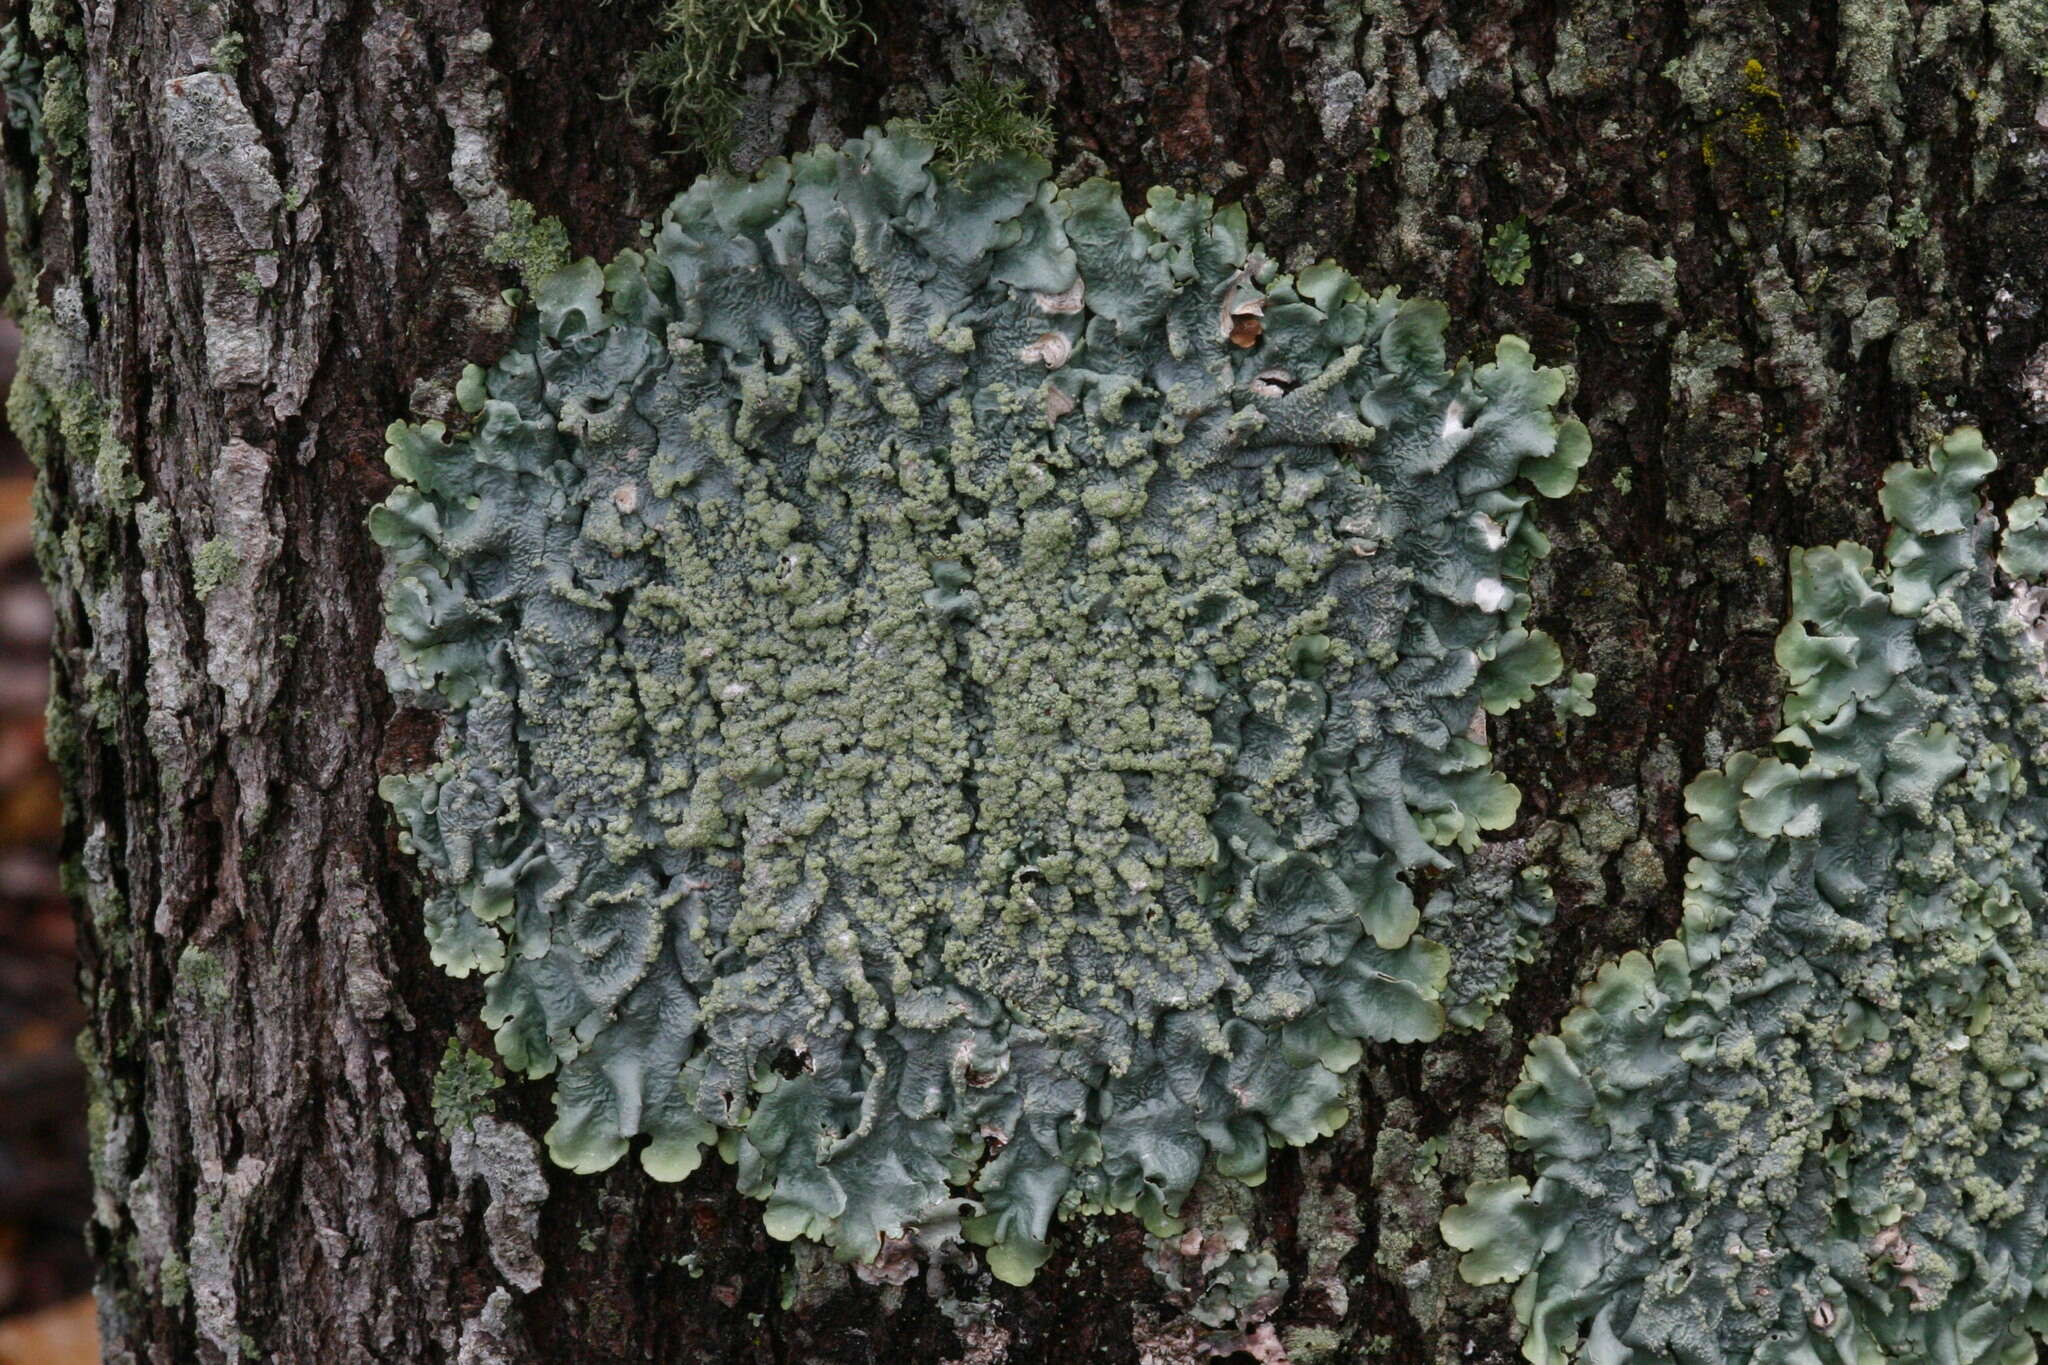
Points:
x=1783 y=245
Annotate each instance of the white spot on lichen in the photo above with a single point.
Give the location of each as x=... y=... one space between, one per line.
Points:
x=1068 y=300
x=1272 y=383
x=1454 y=432
x=1052 y=350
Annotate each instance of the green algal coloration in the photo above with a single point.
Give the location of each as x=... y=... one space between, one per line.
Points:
x=947 y=683
x=65 y=429
x=1487 y=917
x=51 y=20
x=58 y=123
x=114 y=471
x=535 y=246
x=1909 y=225
x=215 y=565
x=21 y=83
x=1573 y=697
x=62 y=112
x=982 y=120
x=463 y=1087
x=229 y=50
x=1811 y=1128
x=173 y=1281
x=152 y=525
x=51 y=407
x=200 y=982
x=1508 y=252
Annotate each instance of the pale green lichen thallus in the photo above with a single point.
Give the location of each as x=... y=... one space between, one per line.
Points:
x=1813 y=1127
x=945 y=682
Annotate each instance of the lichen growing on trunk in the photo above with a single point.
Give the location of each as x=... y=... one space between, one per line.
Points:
x=949 y=683
x=1811 y=1126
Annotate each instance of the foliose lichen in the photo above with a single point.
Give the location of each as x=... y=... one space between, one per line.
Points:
x=534 y=246
x=1811 y=1128
x=21 y=85
x=1224 y=1288
x=464 y=1088
x=1509 y=252
x=1487 y=916
x=1573 y=697
x=946 y=682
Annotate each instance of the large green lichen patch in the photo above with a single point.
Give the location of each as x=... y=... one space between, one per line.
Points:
x=946 y=682
x=1814 y=1127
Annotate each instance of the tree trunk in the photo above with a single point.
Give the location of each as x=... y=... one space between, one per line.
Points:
x=1781 y=245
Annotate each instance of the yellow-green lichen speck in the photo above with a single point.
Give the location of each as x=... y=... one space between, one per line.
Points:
x=945 y=682
x=1814 y=1127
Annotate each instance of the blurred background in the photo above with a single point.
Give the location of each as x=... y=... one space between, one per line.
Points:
x=46 y=1315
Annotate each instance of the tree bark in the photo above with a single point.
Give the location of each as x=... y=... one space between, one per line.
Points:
x=1782 y=246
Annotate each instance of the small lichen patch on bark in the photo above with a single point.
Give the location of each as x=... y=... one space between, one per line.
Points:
x=213 y=1256
x=201 y=982
x=230 y=574
x=463 y=1088
x=493 y=1336
x=507 y=1162
x=215 y=564
x=233 y=228
x=534 y=246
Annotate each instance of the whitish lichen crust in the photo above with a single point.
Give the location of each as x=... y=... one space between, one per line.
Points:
x=945 y=682
x=1811 y=1128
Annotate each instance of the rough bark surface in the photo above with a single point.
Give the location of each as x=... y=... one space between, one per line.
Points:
x=1783 y=245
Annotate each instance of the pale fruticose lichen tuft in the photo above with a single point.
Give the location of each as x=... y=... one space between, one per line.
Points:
x=1814 y=1127
x=946 y=682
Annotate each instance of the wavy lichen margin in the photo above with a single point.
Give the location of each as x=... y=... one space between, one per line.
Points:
x=946 y=681
x=1811 y=1128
